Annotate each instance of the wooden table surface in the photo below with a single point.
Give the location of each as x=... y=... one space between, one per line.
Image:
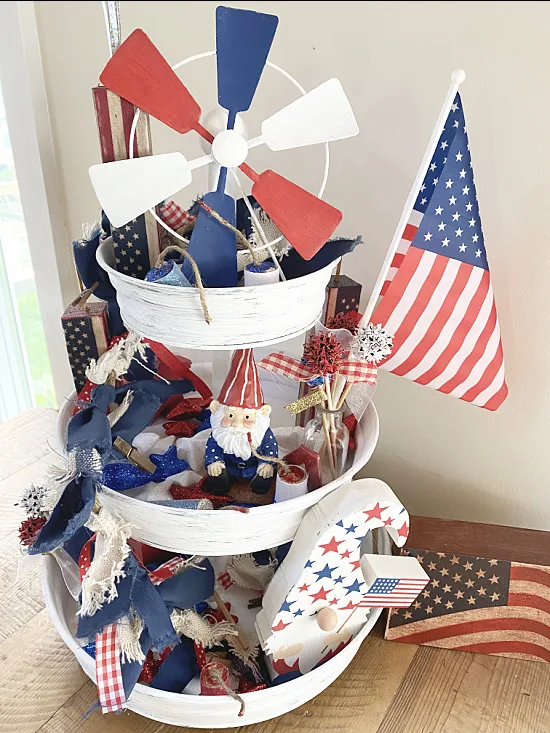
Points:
x=388 y=688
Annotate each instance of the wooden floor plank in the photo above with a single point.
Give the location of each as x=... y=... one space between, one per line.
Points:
x=38 y=675
x=445 y=691
x=25 y=439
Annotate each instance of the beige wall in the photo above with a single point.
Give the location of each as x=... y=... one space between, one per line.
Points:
x=394 y=59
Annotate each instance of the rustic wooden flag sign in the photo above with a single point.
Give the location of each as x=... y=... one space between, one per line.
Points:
x=482 y=596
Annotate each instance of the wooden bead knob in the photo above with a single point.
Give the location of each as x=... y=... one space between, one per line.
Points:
x=327 y=619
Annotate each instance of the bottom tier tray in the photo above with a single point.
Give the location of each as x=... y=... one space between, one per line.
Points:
x=193 y=710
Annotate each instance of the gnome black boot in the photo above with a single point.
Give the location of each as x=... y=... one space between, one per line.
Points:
x=218 y=485
x=261 y=485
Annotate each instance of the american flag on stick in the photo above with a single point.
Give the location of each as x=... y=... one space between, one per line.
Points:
x=477 y=604
x=391 y=581
x=437 y=299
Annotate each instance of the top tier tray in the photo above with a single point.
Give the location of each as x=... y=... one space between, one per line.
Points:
x=243 y=317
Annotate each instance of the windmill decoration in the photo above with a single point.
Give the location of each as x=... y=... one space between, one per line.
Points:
x=139 y=73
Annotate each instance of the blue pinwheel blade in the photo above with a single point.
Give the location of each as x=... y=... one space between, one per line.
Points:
x=243 y=40
x=213 y=245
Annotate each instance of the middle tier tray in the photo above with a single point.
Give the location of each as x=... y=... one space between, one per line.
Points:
x=226 y=532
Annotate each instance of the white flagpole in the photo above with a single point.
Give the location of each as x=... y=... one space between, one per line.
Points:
x=457 y=77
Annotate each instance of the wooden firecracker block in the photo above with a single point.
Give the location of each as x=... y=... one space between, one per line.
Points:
x=342 y=296
x=489 y=590
x=138 y=243
x=86 y=332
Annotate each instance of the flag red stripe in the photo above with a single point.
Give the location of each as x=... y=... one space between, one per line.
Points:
x=397 y=259
x=463 y=327
x=529 y=600
x=431 y=336
x=410 y=232
x=399 y=285
x=475 y=354
x=427 y=288
x=472 y=627
x=488 y=375
x=507 y=647
x=385 y=287
x=530 y=574
x=496 y=400
x=127 y=109
x=104 y=124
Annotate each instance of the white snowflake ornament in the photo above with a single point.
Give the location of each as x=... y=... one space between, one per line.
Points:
x=372 y=343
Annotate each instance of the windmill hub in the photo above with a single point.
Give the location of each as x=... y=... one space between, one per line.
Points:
x=229 y=148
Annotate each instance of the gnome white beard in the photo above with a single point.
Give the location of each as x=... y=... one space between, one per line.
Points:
x=235 y=440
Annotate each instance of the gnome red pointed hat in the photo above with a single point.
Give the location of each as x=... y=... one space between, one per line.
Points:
x=242 y=385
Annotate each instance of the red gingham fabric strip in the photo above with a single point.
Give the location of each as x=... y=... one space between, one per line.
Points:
x=282 y=364
x=225 y=581
x=358 y=371
x=108 y=671
x=165 y=571
x=354 y=371
x=174 y=215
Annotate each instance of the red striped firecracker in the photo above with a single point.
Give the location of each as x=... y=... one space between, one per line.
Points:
x=137 y=245
x=478 y=604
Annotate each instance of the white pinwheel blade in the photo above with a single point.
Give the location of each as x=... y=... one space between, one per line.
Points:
x=320 y=116
x=128 y=188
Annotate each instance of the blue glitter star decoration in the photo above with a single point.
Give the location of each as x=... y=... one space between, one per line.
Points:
x=168 y=274
x=121 y=476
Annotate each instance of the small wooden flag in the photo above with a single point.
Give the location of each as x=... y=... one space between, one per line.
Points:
x=86 y=337
x=136 y=245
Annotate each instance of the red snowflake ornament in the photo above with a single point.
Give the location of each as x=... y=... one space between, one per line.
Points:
x=347 y=319
x=323 y=354
x=29 y=529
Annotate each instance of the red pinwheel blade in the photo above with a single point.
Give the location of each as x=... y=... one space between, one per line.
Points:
x=305 y=220
x=139 y=73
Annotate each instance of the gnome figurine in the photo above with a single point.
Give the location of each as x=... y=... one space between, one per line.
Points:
x=242 y=444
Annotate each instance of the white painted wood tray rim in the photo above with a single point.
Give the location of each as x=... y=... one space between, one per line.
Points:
x=225 y=532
